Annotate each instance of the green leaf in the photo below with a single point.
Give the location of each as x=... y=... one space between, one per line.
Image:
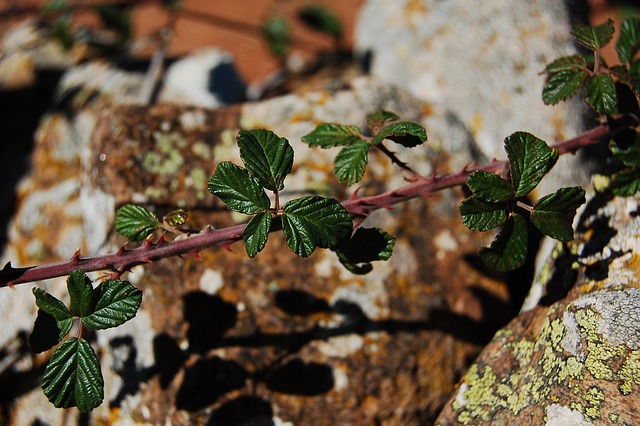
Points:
x=80 y=292
x=530 y=159
x=351 y=162
x=311 y=222
x=594 y=38
x=376 y=120
x=626 y=183
x=481 y=215
x=51 y=305
x=135 y=222
x=267 y=156
x=73 y=377
x=601 y=94
x=629 y=41
x=327 y=135
x=489 y=186
x=562 y=85
x=572 y=62
x=366 y=245
x=116 y=17
x=404 y=133
x=118 y=302
x=235 y=186
x=509 y=250
x=47 y=332
x=553 y=214
x=276 y=31
x=625 y=146
x=256 y=232
x=321 y=19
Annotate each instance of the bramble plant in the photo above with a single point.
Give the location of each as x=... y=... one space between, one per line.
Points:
x=498 y=197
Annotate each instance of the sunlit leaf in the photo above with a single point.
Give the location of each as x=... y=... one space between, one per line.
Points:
x=267 y=156
x=553 y=214
x=404 y=133
x=81 y=293
x=376 y=120
x=73 y=377
x=327 y=135
x=628 y=43
x=256 y=232
x=571 y=62
x=594 y=38
x=235 y=186
x=601 y=94
x=117 y=302
x=51 y=305
x=135 y=222
x=311 y=222
x=489 y=186
x=530 y=159
x=481 y=215
x=562 y=85
x=626 y=183
x=351 y=162
x=509 y=249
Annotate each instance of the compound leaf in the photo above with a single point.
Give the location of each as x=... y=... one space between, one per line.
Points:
x=553 y=214
x=47 y=332
x=235 y=186
x=625 y=146
x=481 y=215
x=404 y=133
x=321 y=19
x=601 y=94
x=628 y=43
x=256 y=232
x=351 y=162
x=509 y=249
x=562 y=85
x=366 y=245
x=327 y=135
x=571 y=62
x=593 y=38
x=489 y=186
x=267 y=156
x=626 y=183
x=314 y=221
x=116 y=302
x=73 y=377
x=530 y=159
x=376 y=120
x=80 y=292
x=135 y=222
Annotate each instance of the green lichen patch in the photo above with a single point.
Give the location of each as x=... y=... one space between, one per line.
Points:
x=167 y=159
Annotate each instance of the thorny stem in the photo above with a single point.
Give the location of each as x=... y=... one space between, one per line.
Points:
x=395 y=160
x=360 y=207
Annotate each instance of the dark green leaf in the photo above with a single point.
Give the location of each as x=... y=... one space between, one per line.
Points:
x=404 y=133
x=376 y=120
x=553 y=214
x=562 y=85
x=135 y=222
x=489 y=186
x=594 y=38
x=80 y=292
x=509 y=250
x=117 y=17
x=327 y=135
x=47 y=332
x=276 y=31
x=51 y=305
x=601 y=94
x=256 y=232
x=311 y=222
x=366 y=245
x=351 y=162
x=321 y=19
x=267 y=156
x=572 y=62
x=238 y=189
x=73 y=377
x=625 y=146
x=530 y=159
x=626 y=183
x=629 y=41
x=118 y=303
x=481 y=215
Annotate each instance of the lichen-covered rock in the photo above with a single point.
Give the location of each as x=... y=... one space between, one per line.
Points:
x=574 y=359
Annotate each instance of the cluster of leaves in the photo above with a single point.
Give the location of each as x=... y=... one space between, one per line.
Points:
x=277 y=30
x=351 y=162
x=494 y=202
x=73 y=377
x=609 y=90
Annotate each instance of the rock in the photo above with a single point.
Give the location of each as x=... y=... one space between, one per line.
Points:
x=574 y=359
